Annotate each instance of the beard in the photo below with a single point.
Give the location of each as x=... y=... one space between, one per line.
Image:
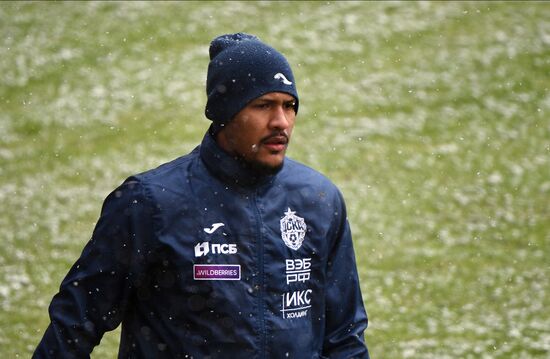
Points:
x=264 y=169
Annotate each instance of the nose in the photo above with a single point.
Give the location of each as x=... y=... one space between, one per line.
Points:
x=280 y=119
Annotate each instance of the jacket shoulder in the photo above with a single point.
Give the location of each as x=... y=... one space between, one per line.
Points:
x=297 y=173
x=163 y=184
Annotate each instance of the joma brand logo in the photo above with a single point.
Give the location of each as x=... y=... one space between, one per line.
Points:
x=280 y=76
x=202 y=249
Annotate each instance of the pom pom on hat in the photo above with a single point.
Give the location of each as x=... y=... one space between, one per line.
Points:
x=241 y=69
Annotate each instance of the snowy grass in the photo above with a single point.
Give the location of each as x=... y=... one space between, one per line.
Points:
x=431 y=117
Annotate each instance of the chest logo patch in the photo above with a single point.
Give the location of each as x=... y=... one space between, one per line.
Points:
x=217 y=272
x=293 y=230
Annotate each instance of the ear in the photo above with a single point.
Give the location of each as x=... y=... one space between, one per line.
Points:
x=224 y=139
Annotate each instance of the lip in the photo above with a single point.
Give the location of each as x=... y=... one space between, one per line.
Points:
x=275 y=147
x=275 y=143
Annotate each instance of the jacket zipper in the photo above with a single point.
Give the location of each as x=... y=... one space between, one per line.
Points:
x=261 y=294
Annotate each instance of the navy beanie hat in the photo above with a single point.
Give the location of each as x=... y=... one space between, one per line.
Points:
x=241 y=69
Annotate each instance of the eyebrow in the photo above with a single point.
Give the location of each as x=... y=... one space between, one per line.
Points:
x=268 y=99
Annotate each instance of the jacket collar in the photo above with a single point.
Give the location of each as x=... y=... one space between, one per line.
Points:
x=227 y=168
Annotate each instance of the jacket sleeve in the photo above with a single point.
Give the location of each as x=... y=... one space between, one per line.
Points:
x=94 y=294
x=346 y=318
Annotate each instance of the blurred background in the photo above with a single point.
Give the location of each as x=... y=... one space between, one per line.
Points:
x=432 y=117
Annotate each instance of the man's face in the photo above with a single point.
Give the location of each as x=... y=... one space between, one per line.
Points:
x=259 y=134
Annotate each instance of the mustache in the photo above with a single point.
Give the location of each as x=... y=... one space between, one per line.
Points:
x=277 y=136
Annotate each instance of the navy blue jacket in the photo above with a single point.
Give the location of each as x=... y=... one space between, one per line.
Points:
x=201 y=258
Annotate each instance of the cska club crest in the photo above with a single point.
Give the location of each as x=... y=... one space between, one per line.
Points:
x=293 y=229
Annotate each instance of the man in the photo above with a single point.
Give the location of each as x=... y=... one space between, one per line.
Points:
x=232 y=251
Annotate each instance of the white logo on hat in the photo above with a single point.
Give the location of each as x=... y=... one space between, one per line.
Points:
x=280 y=76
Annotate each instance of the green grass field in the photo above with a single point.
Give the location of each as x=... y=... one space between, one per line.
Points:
x=432 y=117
